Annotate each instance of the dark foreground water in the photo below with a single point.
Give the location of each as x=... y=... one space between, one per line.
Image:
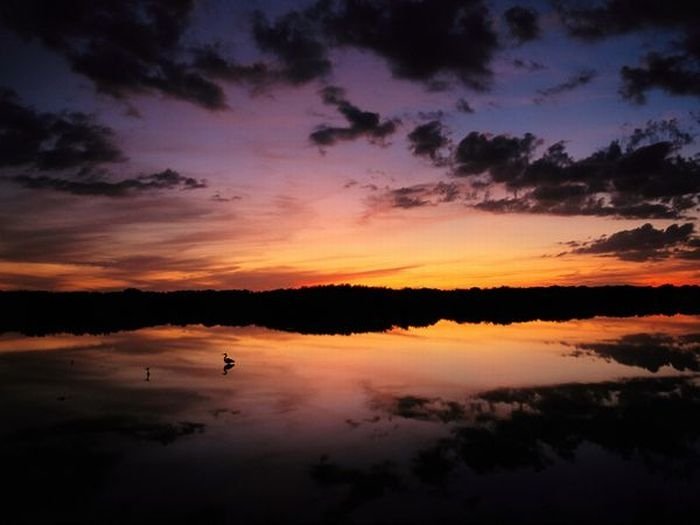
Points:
x=576 y=422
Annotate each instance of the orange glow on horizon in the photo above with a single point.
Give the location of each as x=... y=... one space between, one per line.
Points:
x=447 y=251
x=464 y=358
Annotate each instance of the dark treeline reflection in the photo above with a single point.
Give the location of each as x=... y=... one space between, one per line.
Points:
x=656 y=420
x=526 y=432
x=512 y=428
x=648 y=351
x=331 y=309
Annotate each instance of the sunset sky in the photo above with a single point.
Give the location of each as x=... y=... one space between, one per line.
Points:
x=284 y=143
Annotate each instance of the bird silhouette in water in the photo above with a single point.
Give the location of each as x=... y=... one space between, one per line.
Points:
x=228 y=363
x=148 y=374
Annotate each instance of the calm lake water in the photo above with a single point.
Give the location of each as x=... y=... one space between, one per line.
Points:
x=576 y=422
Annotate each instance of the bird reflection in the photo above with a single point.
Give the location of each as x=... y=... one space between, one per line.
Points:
x=229 y=363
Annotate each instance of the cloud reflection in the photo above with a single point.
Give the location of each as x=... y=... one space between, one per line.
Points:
x=647 y=419
x=648 y=351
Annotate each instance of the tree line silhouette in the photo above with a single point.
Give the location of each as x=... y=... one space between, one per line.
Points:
x=337 y=309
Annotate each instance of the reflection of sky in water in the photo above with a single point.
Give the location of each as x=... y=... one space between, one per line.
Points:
x=446 y=421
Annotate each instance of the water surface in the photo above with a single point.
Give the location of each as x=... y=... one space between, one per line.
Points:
x=454 y=423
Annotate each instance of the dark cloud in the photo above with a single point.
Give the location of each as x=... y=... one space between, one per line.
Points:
x=295 y=40
x=648 y=351
x=417 y=196
x=615 y=17
x=420 y=39
x=639 y=181
x=676 y=72
x=501 y=155
x=332 y=95
x=294 y=65
x=523 y=23
x=73 y=145
x=656 y=131
x=644 y=243
x=458 y=43
x=428 y=140
x=642 y=176
x=463 y=106
x=48 y=141
x=125 y=47
x=361 y=123
x=97 y=185
x=139 y=46
x=208 y=60
x=575 y=81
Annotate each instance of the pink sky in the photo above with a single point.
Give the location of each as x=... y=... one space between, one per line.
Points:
x=277 y=210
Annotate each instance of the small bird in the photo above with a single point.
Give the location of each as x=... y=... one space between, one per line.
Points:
x=148 y=374
x=228 y=360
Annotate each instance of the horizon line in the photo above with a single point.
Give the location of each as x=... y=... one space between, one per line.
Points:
x=355 y=286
